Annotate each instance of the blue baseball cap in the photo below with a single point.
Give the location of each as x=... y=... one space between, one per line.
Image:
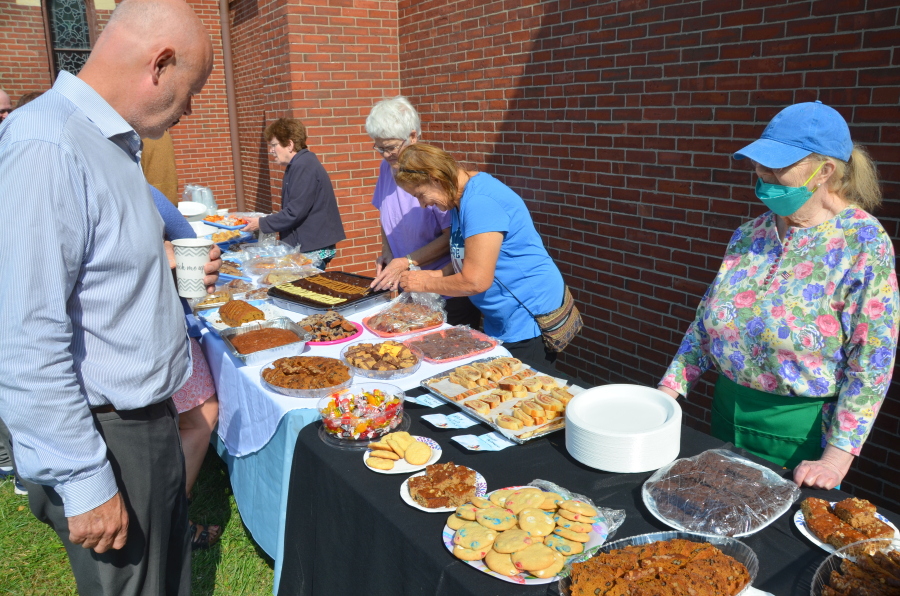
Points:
x=797 y=131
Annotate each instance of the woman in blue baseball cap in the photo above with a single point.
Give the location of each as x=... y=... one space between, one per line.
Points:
x=801 y=320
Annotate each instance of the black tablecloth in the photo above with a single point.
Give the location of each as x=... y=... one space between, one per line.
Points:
x=348 y=531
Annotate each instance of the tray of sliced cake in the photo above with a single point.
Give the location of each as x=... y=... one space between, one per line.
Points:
x=511 y=397
x=833 y=525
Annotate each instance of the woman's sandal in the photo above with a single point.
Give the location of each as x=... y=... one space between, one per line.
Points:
x=203 y=537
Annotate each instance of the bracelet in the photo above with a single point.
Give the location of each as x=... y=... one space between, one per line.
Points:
x=410 y=261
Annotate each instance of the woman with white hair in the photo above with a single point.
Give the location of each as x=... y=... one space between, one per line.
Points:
x=410 y=234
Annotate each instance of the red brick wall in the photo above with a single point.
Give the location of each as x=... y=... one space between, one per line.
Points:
x=23 y=51
x=202 y=140
x=615 y=121
x=325 y=62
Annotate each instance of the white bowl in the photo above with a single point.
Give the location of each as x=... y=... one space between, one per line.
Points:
x=192 y=211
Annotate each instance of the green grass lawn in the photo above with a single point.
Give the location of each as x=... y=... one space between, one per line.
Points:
x=33 y=561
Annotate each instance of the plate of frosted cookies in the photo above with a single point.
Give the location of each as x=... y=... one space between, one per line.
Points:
x=401 y=453
x=526 y=534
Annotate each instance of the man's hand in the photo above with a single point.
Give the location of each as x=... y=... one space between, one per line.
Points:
x=389 y=277
x=170 y=253
x=414 y=281
x=252 y=224
x=101 y=528
x=212 y=269
x=826 y=472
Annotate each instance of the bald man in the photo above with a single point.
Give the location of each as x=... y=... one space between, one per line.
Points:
x=5 y=105
x=93 y=355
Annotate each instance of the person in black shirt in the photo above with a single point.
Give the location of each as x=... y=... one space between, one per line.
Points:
x=309 y=214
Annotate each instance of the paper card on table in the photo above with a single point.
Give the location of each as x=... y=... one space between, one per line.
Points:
x=460 y=420
x=452 y=421
x=427 y=401
x=486 y=442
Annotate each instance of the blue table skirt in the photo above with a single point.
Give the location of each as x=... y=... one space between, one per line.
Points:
x=260 y=483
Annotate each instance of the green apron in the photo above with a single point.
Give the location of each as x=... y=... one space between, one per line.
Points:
x=783 y=429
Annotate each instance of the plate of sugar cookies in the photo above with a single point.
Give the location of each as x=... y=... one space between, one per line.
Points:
x=836 y=524
x=401 y=453
x=526 y=534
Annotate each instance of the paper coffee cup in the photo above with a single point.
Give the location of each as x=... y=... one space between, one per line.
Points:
x=191 y=255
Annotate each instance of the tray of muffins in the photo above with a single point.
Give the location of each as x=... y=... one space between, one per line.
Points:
x=346 y=293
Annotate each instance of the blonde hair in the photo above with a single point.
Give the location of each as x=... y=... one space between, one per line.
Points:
x=422 y=164
x=855 y=181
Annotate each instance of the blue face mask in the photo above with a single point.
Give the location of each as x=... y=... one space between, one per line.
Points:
x=785 y=200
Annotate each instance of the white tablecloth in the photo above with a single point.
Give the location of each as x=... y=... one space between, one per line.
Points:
x=249 y=414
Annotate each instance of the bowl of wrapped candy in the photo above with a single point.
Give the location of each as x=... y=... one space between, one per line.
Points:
x=362 y=412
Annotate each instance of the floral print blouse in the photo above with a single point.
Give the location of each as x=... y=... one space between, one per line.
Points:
x=814 y=315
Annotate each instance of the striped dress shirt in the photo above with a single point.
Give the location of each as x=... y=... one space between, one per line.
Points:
x=89 y=313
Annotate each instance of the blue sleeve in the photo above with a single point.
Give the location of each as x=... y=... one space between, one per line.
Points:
x=482 y=213
x=177 y=227
x=41 y=399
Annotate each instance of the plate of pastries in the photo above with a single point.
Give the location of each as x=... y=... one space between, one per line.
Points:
x=837 y=524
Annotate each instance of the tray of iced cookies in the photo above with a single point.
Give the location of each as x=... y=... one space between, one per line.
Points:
x=509 y=396
x=526 y=534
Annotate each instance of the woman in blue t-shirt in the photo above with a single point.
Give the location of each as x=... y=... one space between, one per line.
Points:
x=496 y=256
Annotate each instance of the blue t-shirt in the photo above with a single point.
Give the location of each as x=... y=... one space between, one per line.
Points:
x=524 y=267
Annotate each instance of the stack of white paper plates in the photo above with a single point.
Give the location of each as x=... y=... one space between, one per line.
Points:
x=623 y=428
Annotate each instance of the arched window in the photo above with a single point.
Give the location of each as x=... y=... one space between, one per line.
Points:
x=71 y=27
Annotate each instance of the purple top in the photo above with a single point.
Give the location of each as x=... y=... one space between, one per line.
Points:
x=408 y=227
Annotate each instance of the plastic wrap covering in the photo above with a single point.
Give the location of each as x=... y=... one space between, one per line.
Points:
x=455 y=343
x=718 y=492
x=407 y=313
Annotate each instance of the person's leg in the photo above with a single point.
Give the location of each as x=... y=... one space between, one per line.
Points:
x=461 y=311
x=196 y=426
x=144 y=449
x=532 y=350
x=6 y=467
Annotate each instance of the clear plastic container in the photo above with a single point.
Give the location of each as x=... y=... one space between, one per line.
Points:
x=365 y=420
x=731 y=547
x=319 y=392
x=822 y=576
x=384 y=375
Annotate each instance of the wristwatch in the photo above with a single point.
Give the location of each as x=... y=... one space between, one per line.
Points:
x=410 y=261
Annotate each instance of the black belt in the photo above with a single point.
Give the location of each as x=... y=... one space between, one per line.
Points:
x=152 y=411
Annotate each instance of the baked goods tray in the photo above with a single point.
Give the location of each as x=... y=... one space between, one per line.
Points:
x=307 y=307
x=729 y=546
x=755 y=518
x=265 y=356
x=522 y=436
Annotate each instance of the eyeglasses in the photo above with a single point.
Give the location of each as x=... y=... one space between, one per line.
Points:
x=408 y=171
x=388 y=150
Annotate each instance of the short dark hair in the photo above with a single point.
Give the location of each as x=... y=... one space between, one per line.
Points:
x=28 y=97
x=285 y=130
